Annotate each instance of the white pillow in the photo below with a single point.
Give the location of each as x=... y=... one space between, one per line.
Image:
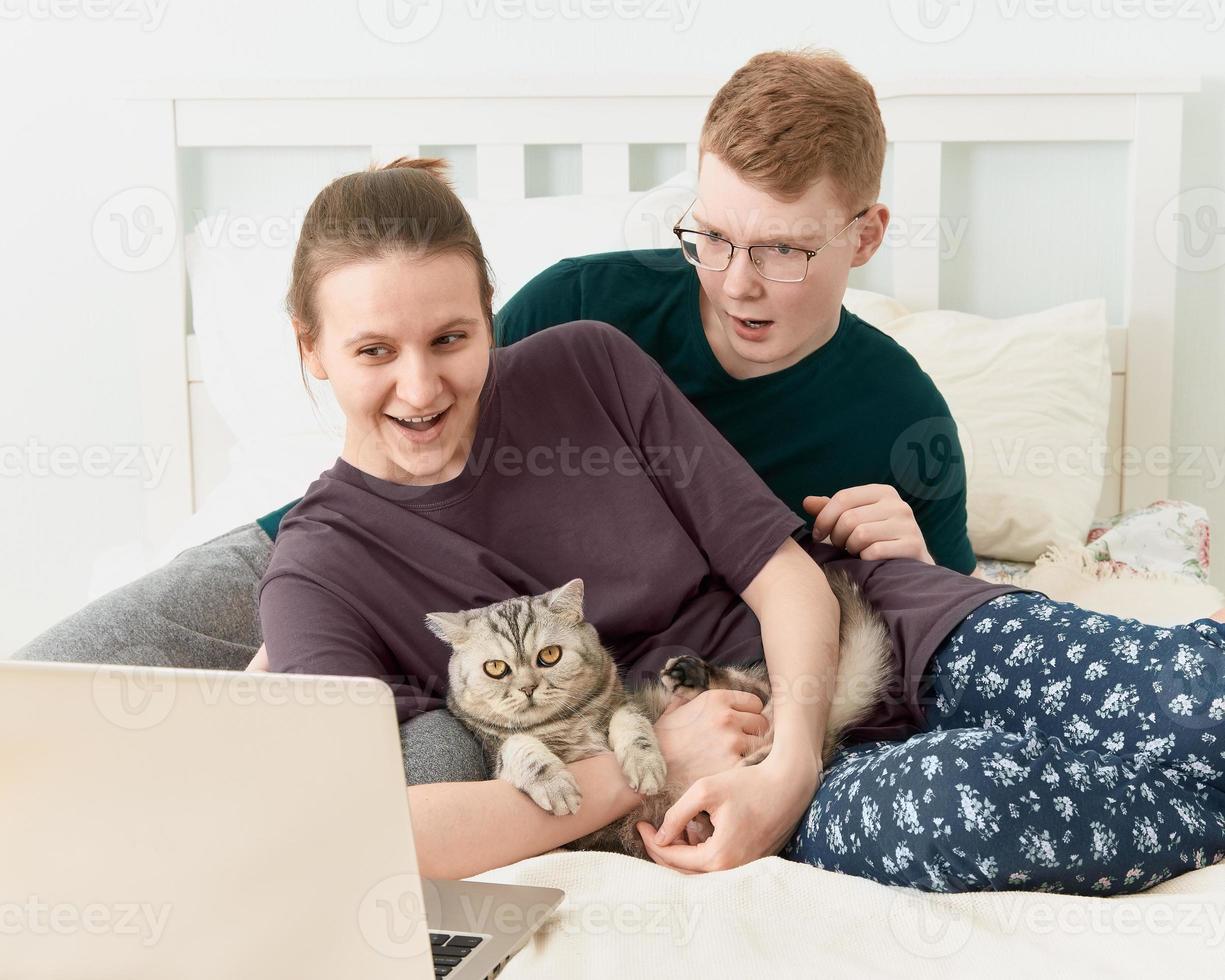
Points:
x=522 y=238
x=1031 y=399
x=874 y=308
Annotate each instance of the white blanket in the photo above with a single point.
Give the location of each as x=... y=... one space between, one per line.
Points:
x=623 y=917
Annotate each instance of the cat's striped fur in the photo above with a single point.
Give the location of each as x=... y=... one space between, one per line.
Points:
x=539 y=716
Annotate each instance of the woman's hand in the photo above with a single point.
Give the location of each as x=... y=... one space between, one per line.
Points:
x=709 y=733
x=260 y=661
x=872 y=521
x=755 y=811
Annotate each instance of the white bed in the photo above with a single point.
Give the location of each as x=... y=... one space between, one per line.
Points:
x=1064 y=183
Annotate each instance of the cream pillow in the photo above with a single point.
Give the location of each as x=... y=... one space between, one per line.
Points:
x=1031 y=399
x=874 y=308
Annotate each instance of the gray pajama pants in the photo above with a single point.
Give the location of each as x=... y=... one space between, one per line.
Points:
x=200 y=611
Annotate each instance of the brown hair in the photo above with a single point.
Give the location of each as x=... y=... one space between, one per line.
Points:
x=407 y=206
x=788 y=118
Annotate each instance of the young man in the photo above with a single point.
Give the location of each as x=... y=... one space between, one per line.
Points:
x=835 y=416
x=747 y=318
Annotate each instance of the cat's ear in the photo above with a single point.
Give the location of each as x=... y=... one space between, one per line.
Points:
x=450 y=627
x=566 y=602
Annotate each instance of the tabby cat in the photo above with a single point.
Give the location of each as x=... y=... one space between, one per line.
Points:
x=531 y=679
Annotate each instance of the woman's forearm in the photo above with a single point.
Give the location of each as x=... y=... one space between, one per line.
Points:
x=464 y=829
x=799 y=631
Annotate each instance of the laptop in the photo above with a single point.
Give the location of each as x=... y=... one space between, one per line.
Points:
x=157 y=823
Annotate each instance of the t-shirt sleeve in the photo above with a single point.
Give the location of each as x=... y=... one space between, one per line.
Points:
x=553 y=296
x=724 y=506
x=930 y=468
x=310 y=630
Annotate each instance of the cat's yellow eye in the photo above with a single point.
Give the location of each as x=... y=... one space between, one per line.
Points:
x=548 y=656
x=497 y=668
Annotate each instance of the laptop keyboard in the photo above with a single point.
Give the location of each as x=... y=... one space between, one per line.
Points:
x=449 y=950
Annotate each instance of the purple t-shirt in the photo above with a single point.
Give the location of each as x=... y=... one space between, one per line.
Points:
x=587 y=463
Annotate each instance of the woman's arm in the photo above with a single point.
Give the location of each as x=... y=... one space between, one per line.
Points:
x=755 y=809
x=464 y=829
x=799 y=630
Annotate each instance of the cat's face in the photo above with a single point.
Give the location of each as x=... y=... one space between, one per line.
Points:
x=523 y=660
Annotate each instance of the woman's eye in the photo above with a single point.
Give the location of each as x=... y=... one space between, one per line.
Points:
x=548 y=656
x=366 y=350
x=783 y=249
x=497 y=668
x=456 y=337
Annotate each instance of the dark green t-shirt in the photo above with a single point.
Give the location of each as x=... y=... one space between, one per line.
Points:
x=858 y=410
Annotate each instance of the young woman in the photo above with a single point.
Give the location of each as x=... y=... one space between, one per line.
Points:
x=1051 y=748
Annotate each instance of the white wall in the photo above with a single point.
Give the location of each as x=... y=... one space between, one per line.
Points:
x=68 y=146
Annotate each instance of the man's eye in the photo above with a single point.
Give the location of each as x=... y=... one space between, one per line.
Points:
x=783 y=249
x=366 y=350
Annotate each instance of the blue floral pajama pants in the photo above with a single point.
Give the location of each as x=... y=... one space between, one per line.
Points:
x=1063 y=751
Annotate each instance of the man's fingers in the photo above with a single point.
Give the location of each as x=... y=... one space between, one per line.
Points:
x=814 y=504
x=881 y=550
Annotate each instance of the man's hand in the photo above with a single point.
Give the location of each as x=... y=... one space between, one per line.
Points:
x=871 y=521
x=755 y=811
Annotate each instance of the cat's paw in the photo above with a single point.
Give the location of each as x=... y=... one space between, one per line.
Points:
x=686 y=675
x=644 y=769
x=556 y=791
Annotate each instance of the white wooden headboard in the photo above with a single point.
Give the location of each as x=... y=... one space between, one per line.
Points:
x=923 y=121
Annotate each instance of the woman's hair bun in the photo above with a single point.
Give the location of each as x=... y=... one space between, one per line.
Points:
x=434 y=165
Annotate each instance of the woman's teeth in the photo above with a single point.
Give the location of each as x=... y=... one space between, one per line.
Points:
x=420 y=423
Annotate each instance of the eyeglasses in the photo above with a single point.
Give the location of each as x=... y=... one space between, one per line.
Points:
x=778 y=263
